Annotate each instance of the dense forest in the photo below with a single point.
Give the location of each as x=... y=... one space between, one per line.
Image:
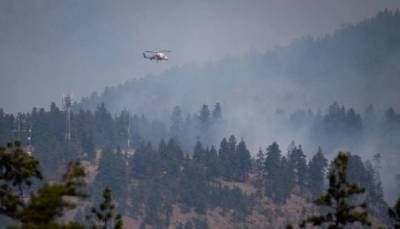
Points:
x=335 y=128
x=153 y=178
x=217 y=146
x=156 y=184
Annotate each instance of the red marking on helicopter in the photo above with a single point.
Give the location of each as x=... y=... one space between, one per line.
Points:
x=156 y=55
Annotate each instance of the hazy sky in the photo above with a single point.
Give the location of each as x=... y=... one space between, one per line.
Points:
x=49 y=48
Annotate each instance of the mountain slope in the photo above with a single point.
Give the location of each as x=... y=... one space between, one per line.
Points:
x=356 y=65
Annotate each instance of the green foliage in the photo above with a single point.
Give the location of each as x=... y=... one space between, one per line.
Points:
x=104 y=214
x=112 y=173
x=194 y=187
x=297 y=163
x=43 y=207
x=49 y=202
x=279 y=174
x=176 y=124
x=339 y=126
x=234 y=160
x=165 y=177
x=17 y=169
x=211 y=162
x=316 y=172
x=337 y=199
x=242 y=162
x=224 y=158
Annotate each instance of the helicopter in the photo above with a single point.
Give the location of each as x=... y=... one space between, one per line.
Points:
x=156 y=55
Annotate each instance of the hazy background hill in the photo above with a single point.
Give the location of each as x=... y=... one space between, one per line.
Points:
x=52 y=48
x=357 y=65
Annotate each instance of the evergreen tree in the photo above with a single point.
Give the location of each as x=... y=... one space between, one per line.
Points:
x=199 y=154
x=204 y=117
x=260 y=160
x=297 y=161
x=316 y=173
x=176 y=124
x=121 y=125
x=243 y=162
x=260 y=171
x=146 y=162
x=211 y=163
x=374 y=191
x=337 y=199
x=194 y=187
x=204 y=124
x=17 y=168
x=172 y=159
x=104 y=127
x=216 y=113
x=272 y=169
x=105 y=216
x=224 y=160
x=83 y=128
x=17 y=171
x=50 y=201
x=284 y=185
x=112 y=172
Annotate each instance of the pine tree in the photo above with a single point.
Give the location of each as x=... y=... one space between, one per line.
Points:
x=176 y=124
x=204 y=116
x=17 y=170
x=224 y=160
x=297 y=161
x=153 y=206
x=260 y=160
x=243 y=162
x=173 y=158
x=111 y=173
x=374 y=191
x=337 y=199
x=212 y=163
x=259 y=169
x=272 y=169
x=316 y=173
x=216 y=113
x=121 y=123
x=50 y=201
x=104 y=127
x=194 y=187
x=199 y=154
x=284 y=185
x=105 y=216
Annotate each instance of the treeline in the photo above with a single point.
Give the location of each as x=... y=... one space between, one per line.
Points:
x=340 y=126
x=45 y=131
x=164 y=178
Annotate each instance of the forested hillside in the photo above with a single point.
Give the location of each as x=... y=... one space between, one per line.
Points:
x=195 y=170
x=246 y=142
x=355 y=65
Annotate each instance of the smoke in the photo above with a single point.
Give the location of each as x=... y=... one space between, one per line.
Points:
x=53 y=47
